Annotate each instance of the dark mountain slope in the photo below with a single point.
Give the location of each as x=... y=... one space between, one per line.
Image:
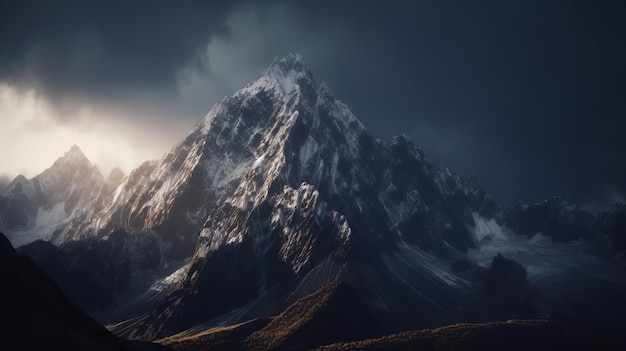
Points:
x=36 y=315
x=334 y=314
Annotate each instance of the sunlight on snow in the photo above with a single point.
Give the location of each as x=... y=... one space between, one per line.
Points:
x=258 y=161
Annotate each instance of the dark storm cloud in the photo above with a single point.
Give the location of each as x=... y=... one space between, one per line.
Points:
x=529 y=95
x=104 y=49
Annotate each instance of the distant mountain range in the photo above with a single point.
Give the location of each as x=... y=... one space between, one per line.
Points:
x=280 y=193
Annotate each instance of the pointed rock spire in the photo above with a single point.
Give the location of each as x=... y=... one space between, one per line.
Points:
x=75 y=155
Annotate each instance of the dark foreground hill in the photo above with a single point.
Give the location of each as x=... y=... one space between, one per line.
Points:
x=36 y=315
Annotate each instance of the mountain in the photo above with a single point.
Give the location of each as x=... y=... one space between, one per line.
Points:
x=37 y=315
x=90 y=272
x=309 y=197
x=554 y=217
x=29 y=208
x=280 y=191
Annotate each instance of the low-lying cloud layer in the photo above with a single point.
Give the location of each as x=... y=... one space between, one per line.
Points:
x=527 y=95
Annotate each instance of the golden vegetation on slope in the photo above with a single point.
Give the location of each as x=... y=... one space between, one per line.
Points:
x=219 y=338
x=331 y=314
x=509 y=335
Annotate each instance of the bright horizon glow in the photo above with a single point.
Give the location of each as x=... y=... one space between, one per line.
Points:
x=32 y=136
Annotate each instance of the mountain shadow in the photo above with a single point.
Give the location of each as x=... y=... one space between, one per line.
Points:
x=36 y=315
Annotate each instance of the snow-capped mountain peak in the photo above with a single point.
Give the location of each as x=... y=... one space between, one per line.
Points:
x=35 y=208
x=70 y=169
x=290 y=62
x=291 y=66
x=285 y=76
x=299 y=186
x=75 y=153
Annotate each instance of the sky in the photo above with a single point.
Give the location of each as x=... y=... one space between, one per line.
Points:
x=527 y=95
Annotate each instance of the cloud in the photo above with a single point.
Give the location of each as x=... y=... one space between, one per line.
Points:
x=107 y=76
x=31 y=137
x=73 y=49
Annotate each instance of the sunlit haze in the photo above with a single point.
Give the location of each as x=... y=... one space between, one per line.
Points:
x=32 y=136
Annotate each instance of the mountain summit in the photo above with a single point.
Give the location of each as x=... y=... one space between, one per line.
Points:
x=34 y=208
x=280 y=190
